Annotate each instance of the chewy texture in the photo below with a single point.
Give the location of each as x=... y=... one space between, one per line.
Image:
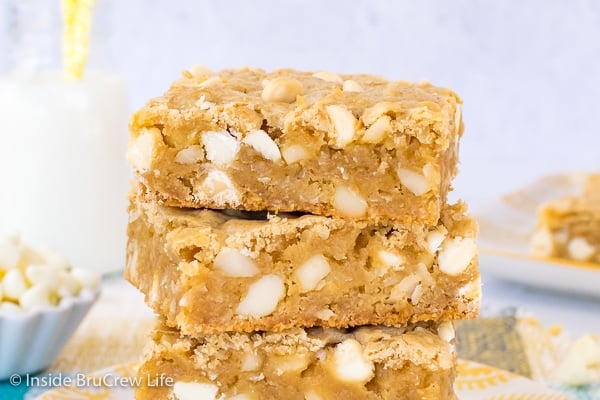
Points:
x=411 y=363
x=209 y=271
x=352 y=146
x=570 y=227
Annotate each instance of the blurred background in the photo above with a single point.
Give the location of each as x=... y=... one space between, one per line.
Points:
x=528 y=71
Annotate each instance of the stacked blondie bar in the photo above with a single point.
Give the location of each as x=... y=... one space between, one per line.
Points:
x=291 y=229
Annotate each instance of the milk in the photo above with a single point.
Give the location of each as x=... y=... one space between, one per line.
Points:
x=63 y=175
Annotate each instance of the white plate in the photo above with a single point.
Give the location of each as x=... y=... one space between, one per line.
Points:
x=474 y=382
x=505 y=230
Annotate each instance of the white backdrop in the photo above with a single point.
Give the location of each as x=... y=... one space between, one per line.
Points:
x=528 y=71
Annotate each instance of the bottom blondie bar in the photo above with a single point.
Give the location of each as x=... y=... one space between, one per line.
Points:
x=415 y=362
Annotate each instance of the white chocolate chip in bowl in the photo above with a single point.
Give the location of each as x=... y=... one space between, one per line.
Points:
x=312 y=272
x=232 y=263
x=35 y=313
x=261 y=142
x=349 y=203
x=456 y=254
x=350 y=363
x=262 y=297
x=195 y=391
x=221 y=147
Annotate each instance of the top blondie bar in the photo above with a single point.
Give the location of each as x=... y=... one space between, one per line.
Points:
x=352 y=146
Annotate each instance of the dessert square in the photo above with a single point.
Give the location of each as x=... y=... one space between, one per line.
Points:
x=570 y=227
x=415 y=362
x=212 y=271
x=352 y=146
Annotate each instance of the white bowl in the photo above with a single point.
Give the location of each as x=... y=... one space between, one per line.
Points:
x=30 y=341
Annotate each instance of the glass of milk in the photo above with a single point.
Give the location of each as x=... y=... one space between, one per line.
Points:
x=63 y=175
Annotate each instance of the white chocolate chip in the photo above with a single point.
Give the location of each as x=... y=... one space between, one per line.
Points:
x=140 y=150
x=349 y=203
x=251 y=362
x=282 y=89
x=312 y=395
x=312 y=272
x=292 y=363
x=352 y=86
x=434 y=239
x=241 y=396
x=416 y=294
x=14 y=284
x=233 y=263
x=9 y=307
x=261 y=142
x=262 y=297
x=221 y=148
x=580 y=249
x=344 y=125
x=406 y=288
x=390 y=259
x=329 y=77
x=413 y=181
x=68 y=286
x=446 y=331
x=195 y=391
x=42 y=274
x=378 y=130
x=324 y=314
x=219 y=187
x=542 y=243
x=294 y=153
x=581 y=365
x=86 y=278
x=36 y=296
x=456 y=254
x=190 y=155
x=351 y=365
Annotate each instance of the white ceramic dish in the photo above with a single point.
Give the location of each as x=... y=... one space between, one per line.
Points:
x=474 y=382
x=505 y=231
x=30 y=341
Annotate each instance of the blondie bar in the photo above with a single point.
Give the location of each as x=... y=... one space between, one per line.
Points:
x=353 y=146
x=570 y=227
x=410 y=363
x=212 y=271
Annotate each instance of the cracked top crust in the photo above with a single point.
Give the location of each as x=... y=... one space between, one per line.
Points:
x=234 y=99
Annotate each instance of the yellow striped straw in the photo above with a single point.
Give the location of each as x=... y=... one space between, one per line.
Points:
x=77 y=22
